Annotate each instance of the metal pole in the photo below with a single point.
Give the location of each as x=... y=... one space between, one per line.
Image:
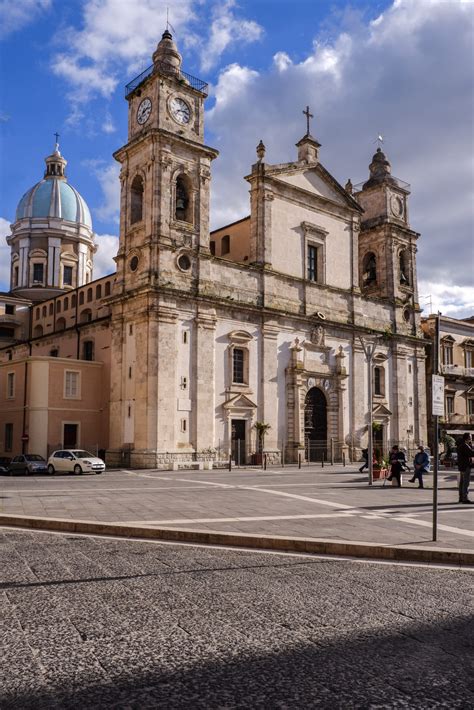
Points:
x=436 y=369
x=238 y=453
x=230 y=462
x=322 y=459
x=332 y=451
x=344 y=459
x=264 y=461
x=299 y=460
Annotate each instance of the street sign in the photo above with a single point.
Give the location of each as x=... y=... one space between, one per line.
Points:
x=437 y=401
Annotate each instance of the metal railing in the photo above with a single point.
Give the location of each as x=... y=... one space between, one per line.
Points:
x=168 y=70
x=401 y=183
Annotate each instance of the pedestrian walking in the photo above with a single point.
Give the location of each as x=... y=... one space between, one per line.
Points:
x=365 y=456
x=403 y=460
x=396 y=466
x=421 y=464
x=465 y=460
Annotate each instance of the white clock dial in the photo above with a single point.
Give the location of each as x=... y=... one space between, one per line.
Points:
x=180 y=110
x=143 y=112
x=396 y=205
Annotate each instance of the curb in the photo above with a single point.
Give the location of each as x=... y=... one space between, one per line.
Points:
x=275 y=543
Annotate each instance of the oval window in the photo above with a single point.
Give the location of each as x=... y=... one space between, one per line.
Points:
x=184 y=262
x=134 y=263
x=406 y=315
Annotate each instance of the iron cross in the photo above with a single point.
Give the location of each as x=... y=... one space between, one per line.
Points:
x=308 y=116
x=57 y=136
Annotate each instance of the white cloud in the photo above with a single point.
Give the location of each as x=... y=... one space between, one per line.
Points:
x=108 y=125
x=15 y=14
x=453 y=301
x=227 y=29
x=104 y=257
x=4 y=255
x=402 y=75
x=108 y=176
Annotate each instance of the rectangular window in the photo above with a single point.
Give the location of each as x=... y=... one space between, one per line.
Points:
x=88 y=350
x=377 y=381
x=185 y=336
x=212 y=248
x=9 y=309
x=70 y=438
x=238 y=366
x=8 y=437
x=38 y=270
x=312 y=263
x=225 y=244
x=67 y=275
x=470 y=407
x=469 y=356
x=10 y=385
x=447 y=354
x=450 y=404
x=71 y=384
x=183 y=425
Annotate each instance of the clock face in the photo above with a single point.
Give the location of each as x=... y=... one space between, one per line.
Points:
x=396 y=205
x=143 y=112
x=180 y=110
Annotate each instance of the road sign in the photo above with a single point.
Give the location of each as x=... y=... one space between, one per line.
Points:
x=437 y=401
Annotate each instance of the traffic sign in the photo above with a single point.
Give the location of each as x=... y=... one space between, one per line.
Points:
x=437 y=401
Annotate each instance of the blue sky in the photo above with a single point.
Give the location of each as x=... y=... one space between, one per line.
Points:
x=363 y=67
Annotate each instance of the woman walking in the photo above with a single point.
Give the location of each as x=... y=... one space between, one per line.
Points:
x=421 y=464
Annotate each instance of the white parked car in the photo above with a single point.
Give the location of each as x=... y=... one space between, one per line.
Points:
x=74 y=461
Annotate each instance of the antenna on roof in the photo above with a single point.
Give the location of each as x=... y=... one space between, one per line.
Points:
x=168 y=23
x=380 y=140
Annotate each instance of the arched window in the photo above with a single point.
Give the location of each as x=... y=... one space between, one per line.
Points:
x=38 y=313
x=73 y=302
x=89 y=295
x=66 y=303
x=136 y=200
x=404 y=269
x=38 y=331
x=379 y=380
x=369 y=269
x=98 y=291
x=88 y=350
x=60 y=324
x=81 y=298
x=44 y=312
x=183 y=202
x=86 y=316
x=107 y=288
x=51 y=309
x=58 y=307
x=225 y=244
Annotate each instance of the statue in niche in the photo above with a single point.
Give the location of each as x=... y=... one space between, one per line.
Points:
x=317 y=336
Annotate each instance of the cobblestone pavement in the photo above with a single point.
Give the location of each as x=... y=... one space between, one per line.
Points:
x=89 y=622
x=331 y=503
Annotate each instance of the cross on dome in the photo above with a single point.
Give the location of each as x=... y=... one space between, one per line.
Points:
x=308 y=116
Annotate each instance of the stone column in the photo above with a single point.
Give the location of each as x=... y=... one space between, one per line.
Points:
x=399 y=394
x=54 y=249
x=268 y=376
x=203 y=378
x=421 y=393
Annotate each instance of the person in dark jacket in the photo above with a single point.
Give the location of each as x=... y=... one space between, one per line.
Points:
x=421 y=464
x=465 y=459
x=396 y=465
x=365 y=456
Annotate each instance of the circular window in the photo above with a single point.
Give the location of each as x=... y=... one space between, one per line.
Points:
x=184 y=262
x=406 y=315
x=134 y=263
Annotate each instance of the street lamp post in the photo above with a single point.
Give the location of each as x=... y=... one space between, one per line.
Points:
x=369 y=347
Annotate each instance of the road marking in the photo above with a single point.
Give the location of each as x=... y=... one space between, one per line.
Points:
x=429 y=524
x=341 y=506
x=182 y=521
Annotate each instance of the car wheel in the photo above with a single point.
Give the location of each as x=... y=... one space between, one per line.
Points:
x=77 y=469
x=98 y=473
x=51 y=470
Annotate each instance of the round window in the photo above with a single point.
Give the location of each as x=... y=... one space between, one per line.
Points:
x=406 y=315
x=184 y=262
x=134 y=263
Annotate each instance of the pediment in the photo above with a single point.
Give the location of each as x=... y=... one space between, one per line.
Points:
x=239 y=401
x=380 y=410
x=318 y=181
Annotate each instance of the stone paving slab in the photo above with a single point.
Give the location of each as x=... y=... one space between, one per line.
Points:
x=112 y=624
x=334 y=504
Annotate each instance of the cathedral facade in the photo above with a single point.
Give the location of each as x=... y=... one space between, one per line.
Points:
x=203 y=340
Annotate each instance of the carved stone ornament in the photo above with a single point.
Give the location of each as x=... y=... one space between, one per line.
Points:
x=318 y=336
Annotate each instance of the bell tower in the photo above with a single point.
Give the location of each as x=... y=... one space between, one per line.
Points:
x=165 y=175
x=387 y=244
x=163 y=253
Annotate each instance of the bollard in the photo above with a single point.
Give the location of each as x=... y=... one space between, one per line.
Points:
x=264 y=462
x=299 y=460
x=230 y=462
x=344 y=458
x=322 y=459
x=332 y=451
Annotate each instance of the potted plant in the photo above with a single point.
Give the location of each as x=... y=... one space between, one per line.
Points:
x=261 y=428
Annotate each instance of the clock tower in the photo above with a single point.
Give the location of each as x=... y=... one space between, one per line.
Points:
x=387 y=244
x=163 y=248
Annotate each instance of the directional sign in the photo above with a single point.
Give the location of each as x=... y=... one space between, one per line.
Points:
x=437 y=402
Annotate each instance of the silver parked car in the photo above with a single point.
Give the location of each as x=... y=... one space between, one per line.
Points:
x=74 y=461
x=27 y=463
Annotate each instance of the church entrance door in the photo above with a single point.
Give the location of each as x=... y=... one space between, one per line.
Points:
x=238 y=441
x=315 y=425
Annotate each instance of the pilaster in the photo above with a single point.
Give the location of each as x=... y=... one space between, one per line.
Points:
x=204 y=379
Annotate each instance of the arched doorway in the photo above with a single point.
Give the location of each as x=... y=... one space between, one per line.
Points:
x=315 y=425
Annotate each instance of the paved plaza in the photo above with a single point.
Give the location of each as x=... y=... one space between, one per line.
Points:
x=89 y=622
x=332 y=503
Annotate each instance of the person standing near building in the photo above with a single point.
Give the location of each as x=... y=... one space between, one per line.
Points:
x=465 y=457
x=396 y=465
x=421 y=464
x=365 y=456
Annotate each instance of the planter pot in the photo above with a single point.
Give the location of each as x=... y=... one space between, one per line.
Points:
x=380 y=473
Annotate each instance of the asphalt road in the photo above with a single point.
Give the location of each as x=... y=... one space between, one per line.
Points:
x=102 y=623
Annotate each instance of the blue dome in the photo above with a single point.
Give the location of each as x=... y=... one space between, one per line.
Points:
x=54 y=197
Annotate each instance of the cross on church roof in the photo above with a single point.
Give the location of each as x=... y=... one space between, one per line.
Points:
x=57 y=136
x=308 y=116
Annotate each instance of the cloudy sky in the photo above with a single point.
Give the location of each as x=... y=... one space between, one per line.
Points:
x=402 y=68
